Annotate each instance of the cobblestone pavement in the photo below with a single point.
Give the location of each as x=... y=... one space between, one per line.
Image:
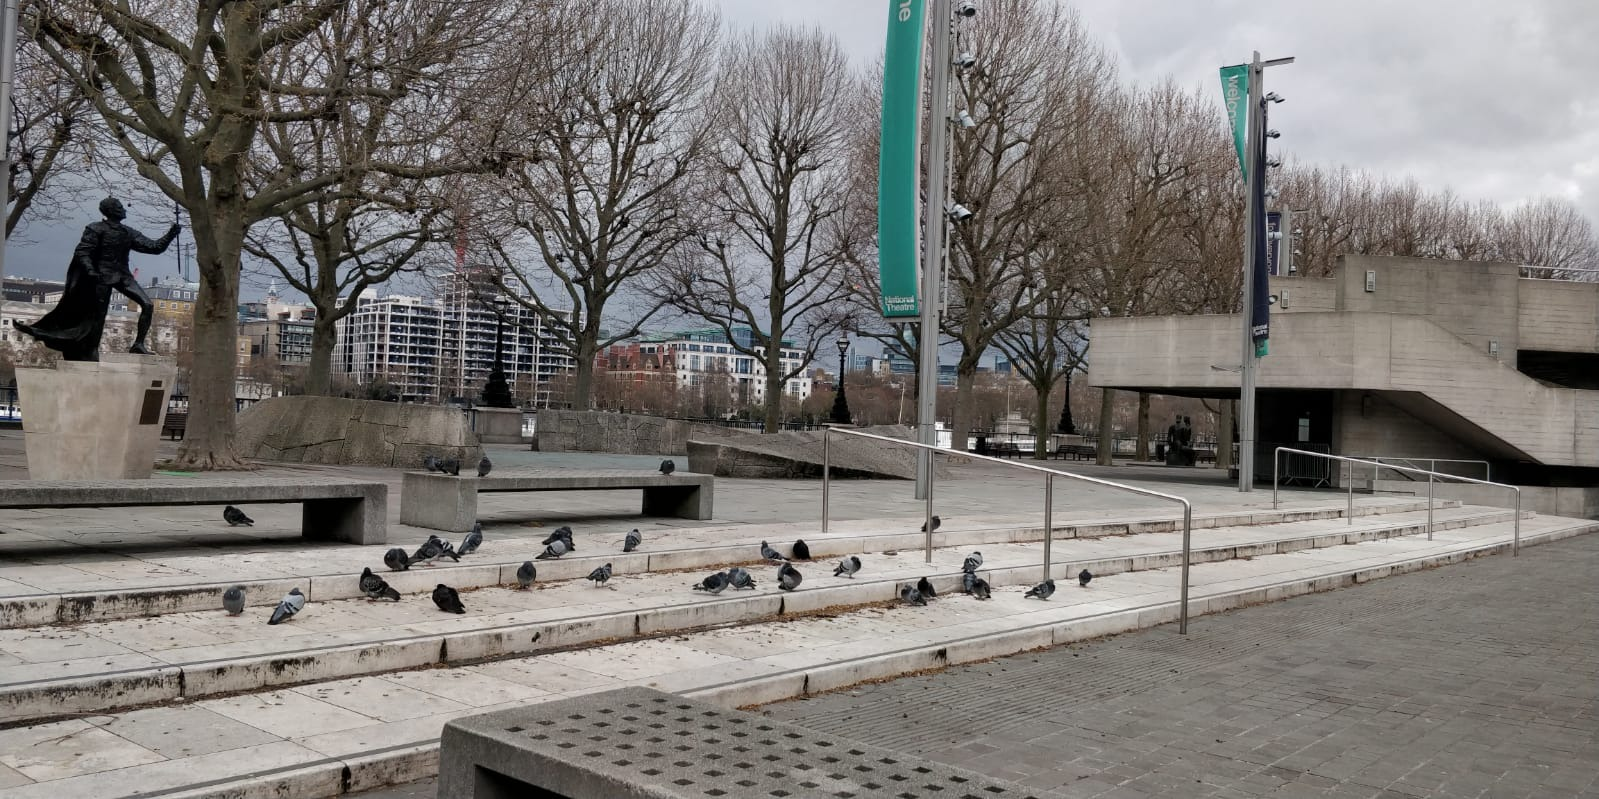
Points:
x=1478 y=680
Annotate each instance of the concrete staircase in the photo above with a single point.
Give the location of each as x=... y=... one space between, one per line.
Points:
x=156 y=691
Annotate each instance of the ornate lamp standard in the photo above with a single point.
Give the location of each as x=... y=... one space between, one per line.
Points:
x=497 y=392
x=840 y=402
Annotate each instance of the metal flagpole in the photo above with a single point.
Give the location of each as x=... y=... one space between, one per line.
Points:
x=8 y=58
x=933 y=247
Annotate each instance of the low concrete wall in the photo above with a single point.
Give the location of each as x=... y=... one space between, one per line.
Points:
x=627 y=433
x=1579 y=502
x=350 y=432
x=798 y=455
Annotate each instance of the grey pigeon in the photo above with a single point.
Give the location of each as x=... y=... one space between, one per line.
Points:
x=847 y=567
x=236 y=518
x=525 y=575
x=788 y=577
x=772 y=554
x=667 y=466
x=712 y=584
x=980 y=588
x=973 y=562
x=936 y=522
x=562 y=533
x=233 y=600
x=447 y=599
x=431 y=550
x=1083 y=577
x=554 y=550
x=632 y=541
x=293 y=603
x=472 y=541
x=1043 y=590
x=911 y=596
x=738 y=578
x=484 y=467
x=600 y=575
x=450 y=466
x=925 y=587
x=375 y=588
x=430 y=463
x=968 y=580
x=396 y=560
x=802 y=550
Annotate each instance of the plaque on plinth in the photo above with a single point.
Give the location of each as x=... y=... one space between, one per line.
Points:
x=95 y=420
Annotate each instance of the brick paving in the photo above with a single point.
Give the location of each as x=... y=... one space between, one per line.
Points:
x=1477 y=680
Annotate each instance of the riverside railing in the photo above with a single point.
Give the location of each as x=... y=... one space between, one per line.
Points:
x=1049 y=492
x=1432 y=477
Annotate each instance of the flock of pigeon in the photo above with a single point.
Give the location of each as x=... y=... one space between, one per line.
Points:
x=452 y=466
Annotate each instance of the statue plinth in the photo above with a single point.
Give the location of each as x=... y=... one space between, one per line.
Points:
x=95 y=420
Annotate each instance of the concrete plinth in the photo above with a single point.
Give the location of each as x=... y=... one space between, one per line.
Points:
x=498 y=425
x=95 y=420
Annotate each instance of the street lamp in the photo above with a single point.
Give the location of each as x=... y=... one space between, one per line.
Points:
x=840 y=403
x=497 y=391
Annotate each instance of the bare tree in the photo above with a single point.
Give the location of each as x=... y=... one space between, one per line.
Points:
x=1045 y=347
x=766 y=260
x=620 y=130
x=50 y=122
x=1551 y=235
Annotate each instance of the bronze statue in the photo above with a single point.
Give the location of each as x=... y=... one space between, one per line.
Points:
x=99 y=266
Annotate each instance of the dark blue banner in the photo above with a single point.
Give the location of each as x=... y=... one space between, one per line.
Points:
x=1260 y=313
x=1274 y=242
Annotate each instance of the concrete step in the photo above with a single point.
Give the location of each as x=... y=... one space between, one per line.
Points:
x=342 y=736
x=190 y=583
x=100 y=666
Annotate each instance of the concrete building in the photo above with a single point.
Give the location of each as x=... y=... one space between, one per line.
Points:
x=1401 y=358
x=697 y=356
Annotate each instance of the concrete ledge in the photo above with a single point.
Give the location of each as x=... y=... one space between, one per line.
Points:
x=449 y=502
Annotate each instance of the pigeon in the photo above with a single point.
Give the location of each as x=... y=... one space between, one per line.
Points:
x=980 y=588
x=788 y=577
x=632 y=541
x=430 y=463
x=447 y=599
x=562 y=533
x=600 y=575
x=667 y=466
x=1083 y=577
x=973 y=561
x=233 y=600
x=968 y=580
x=924 y=586
x=450 y=466
x=1043 y=590
x=396 y=560
x=432 y=549
x=847 y=567
x=525 y=575
x=375 y=588
x=772 y=554
x=712 y=584
x=802 y=551
x=292 y=603
x=554 y=550
x=738 y=578
x=236 y=518
x=472 y=541
x=911 y=596
x=484 y=467
x=936 y=522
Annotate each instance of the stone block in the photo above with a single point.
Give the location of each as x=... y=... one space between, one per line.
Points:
x=339 y=431
x=498 y=425
x=88 y=420
x=447 y=502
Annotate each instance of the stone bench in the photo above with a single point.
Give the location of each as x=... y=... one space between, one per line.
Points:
x=447 y=502
x=639 y=742
x=332 y=508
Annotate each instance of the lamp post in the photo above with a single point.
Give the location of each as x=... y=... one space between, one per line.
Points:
x=840 y=402
x=497 y=391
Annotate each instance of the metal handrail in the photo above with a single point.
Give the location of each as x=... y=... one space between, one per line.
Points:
x=1349 y=513
x=1487 y=468
x=1049 y=494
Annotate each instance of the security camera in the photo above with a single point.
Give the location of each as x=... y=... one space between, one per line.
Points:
x=1272 y=300
x=958 y=212
x=1274 y=162
x=1272 y=134
x=966 y=8
x=964 y=119
x=1273 y=97
x=966 y=60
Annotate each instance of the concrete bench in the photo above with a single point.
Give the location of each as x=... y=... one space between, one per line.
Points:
x=639 y=742
x=447 y=502
x=332 y=508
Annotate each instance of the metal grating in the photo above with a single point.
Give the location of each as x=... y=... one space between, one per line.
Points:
x=670 y=746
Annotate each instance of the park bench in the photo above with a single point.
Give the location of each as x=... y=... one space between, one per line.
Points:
x=332 y=508
x=175 y=424
x=448 y=502
x=639 y=742
x=1076 y=451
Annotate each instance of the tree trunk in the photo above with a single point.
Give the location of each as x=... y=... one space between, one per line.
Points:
x=965 y=385
x=318 y=373
x=1041 y=422
x=772 y=418
x=208 y=441
x=583 y=373
x=1107 y=441
x=1224 y=436
x=1141 y=446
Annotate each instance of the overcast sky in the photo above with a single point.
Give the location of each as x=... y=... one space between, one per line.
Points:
x=1495 y=100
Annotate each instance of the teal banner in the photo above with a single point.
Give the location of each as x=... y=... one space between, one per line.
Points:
x=1235 y=94
x=898 y=161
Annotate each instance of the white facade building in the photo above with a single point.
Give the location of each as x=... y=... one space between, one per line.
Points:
x=703 y=355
